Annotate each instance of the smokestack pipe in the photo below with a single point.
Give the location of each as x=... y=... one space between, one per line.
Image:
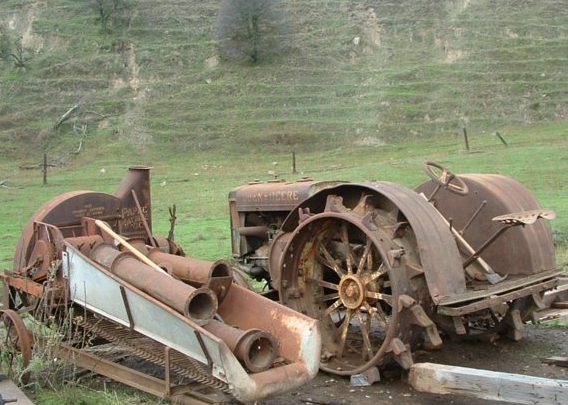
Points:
x=136 y=181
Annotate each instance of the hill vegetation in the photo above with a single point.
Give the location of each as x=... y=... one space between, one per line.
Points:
x=148 y=75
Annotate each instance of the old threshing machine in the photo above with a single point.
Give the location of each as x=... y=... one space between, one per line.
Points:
x=88 y=267
x=385 y=268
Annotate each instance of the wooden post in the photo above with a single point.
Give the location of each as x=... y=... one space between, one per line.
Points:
x=44 y=169
x=501 y=138
x=465 y=138
x=489 y=385
x=293 y=161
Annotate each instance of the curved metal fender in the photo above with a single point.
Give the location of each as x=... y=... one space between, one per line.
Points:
x=520 y=251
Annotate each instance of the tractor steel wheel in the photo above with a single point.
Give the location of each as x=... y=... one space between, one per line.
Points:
x=345 y=269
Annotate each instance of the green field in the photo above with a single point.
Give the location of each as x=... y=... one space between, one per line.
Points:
x=199 y=186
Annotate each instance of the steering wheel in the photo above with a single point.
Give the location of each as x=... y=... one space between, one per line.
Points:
x=446 y=178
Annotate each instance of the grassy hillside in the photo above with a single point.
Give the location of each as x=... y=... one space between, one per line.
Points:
x=352 y=72
x=364 y=91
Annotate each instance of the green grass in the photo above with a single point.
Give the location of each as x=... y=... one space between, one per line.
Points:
x=198 y=184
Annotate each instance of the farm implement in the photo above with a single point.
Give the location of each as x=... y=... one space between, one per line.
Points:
x=88 y=267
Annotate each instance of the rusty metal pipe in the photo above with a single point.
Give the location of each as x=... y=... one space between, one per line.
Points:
x=197 y=304
x=194 y=270
x=218 y=275
x=259 y=231
x=257 y=349
x=104 y=227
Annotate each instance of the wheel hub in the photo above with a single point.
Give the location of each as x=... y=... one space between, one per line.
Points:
x=351 y=291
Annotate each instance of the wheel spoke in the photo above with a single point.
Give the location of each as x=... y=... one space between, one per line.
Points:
x=326 y=297
x=328 y=260
x=378 y=313
x=347 y=247
x=365 y=332
x=380 y=296
x=323 y=283
x=375 y=275
x=364 y=257
x=329 y=310
x=342 y=332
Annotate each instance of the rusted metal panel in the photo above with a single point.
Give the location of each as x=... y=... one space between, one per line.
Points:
x=136 y=209
x=275 y=195
x=66 y=212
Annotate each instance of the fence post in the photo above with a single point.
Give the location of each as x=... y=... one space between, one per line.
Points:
x=293 y=161
x=44 y=169
x=465 y=138
x=501 y=138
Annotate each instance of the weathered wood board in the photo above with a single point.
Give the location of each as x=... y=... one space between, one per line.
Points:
x=9 y=390
x=489 y=385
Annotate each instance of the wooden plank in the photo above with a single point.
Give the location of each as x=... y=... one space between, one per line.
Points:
x=503 y=287
x=489 y=385
x=557 y=361
x=9 y=390
x=551 y=313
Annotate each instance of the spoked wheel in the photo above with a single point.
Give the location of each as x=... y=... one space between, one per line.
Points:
x=348 y=276
x=16 y=348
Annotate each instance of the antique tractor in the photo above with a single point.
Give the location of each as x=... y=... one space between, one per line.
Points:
x=89 y=271
x=387 y=269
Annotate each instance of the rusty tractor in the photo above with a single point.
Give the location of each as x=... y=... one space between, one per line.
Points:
x=387 y=269
x=88 y=267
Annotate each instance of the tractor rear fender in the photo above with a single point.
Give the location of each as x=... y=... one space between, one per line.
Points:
x=519 y=252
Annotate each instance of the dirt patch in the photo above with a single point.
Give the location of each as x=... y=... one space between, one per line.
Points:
x=523 y=357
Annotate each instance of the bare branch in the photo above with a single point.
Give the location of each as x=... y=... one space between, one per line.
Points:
x=66 y=116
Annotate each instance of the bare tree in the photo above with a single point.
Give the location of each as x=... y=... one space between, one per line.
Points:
x=18 y=55
x=109 y=10
x=12 y=50
x=252 y=29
